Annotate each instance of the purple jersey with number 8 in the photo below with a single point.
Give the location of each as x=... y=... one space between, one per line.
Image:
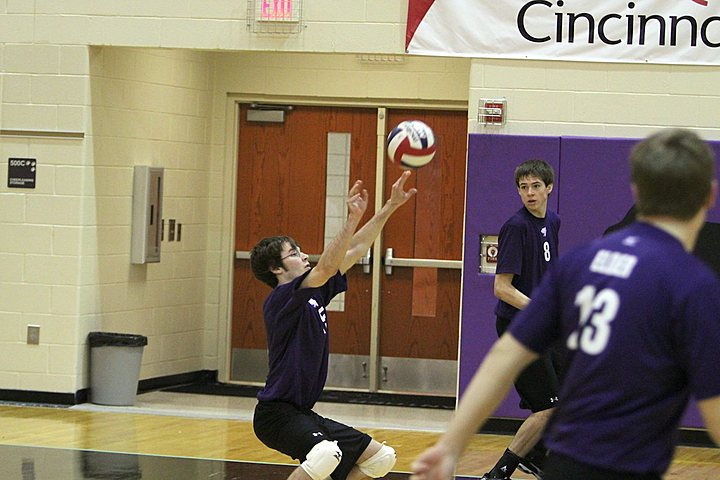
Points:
x=527 y=246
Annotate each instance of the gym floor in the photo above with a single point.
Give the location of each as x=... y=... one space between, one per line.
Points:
x=191 y=437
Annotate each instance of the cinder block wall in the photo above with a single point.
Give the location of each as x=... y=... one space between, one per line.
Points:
x=598 y=99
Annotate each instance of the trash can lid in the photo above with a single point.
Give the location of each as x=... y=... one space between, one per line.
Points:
x=104 y=339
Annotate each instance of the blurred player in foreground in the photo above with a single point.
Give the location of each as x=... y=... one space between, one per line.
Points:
x=640 y=318
x=298 y=347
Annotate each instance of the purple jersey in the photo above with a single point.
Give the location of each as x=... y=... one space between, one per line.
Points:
x=639 y=316
x=527 y=245
x=297 y=336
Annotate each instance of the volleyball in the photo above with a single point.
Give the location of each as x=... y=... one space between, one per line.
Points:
x=411 y=144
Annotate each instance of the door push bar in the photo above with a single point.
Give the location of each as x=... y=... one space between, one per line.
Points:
x=365 y=260
x=391 y=262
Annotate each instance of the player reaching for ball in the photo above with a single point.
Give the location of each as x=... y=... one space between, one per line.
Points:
x=297 y=332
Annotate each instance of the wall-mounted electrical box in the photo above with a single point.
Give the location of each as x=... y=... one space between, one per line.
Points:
x=147 y=214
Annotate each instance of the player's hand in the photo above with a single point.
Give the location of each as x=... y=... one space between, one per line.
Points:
x=398 y=195
x=435 y=463
x=357 y=200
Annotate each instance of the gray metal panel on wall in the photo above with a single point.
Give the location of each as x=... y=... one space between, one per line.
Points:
x=351 y=371
x=249 y=365
x=437 y=377
x=344 y=371
x=348 y=371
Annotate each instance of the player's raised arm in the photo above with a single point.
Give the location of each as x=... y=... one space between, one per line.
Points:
x=362 y=240
x=332 y=257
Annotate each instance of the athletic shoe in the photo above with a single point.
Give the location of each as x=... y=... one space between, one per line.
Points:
x=488 y=477
x=527 y=466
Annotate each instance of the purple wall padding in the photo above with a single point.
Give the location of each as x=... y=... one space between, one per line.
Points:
x=593 y=189
x=591 y=193
x=714 y=214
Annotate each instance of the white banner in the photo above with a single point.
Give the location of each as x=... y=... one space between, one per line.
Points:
x=641 y=31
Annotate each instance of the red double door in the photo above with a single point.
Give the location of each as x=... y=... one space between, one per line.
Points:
x=411 y=343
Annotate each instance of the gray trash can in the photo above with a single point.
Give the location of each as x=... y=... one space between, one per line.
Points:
x=115 y=360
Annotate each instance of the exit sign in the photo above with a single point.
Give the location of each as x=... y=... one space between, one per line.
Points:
x=278 y=10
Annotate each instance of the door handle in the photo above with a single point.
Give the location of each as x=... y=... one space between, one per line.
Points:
x=365 y=260
x=391 y=262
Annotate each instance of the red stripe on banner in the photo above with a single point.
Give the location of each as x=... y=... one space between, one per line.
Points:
x=416 y=12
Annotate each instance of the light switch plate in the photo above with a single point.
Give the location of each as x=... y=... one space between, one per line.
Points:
x=33 y=334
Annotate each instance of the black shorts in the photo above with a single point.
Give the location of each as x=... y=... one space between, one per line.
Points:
x=560 y=467
x=538 y=384
x=295 y=431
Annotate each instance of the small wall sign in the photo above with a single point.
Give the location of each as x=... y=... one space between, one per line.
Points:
x=279 y=10
x=21 y=172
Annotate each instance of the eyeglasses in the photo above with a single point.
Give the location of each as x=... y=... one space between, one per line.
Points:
x=293 y=253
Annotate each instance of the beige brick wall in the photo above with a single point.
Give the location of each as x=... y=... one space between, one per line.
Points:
x=597 y=99
x=150 y=107
x=65 y=245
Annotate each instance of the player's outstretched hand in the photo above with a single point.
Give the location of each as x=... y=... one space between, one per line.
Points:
x=399 y=195
x=357 y=199
x=435 y=463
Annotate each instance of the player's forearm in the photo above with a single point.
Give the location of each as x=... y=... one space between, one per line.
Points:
x=334 y=253
x=512 y=296
x=363 y=238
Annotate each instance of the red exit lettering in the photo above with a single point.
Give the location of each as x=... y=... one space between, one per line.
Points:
x=276 y=9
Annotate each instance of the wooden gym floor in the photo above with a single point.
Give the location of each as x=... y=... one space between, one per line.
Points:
x=193 y=437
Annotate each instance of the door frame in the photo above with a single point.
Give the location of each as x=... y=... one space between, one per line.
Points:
x=229 y=200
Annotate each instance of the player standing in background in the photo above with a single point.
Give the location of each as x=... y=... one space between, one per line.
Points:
x=527 y=245
x=298 y=347
x=638 y=314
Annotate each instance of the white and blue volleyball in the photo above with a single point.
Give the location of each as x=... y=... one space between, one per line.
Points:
x=411 y=144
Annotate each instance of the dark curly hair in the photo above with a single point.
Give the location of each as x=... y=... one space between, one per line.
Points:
x=265 y=256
